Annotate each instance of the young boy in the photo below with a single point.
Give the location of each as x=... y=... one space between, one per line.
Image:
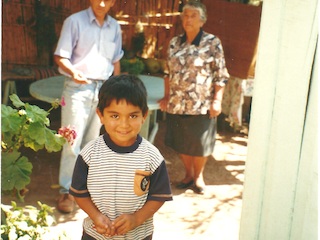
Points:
x=120 y=179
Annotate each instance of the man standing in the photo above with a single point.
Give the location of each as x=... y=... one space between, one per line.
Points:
x=88 y=53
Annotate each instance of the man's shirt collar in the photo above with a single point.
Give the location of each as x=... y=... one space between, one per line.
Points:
x=92 y=17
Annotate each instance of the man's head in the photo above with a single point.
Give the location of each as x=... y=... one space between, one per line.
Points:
x=101 y=8
x=123 y=87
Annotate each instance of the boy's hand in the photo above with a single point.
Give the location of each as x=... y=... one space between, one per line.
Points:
x=103 y=225
x=124 y=223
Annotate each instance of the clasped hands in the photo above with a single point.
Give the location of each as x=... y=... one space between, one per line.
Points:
x=120 y=226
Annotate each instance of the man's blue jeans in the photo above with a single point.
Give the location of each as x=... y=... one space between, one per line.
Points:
x=78 y=112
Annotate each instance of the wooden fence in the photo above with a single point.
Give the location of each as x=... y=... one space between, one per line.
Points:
x=30 y=28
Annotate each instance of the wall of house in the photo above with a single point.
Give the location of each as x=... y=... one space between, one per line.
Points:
x=237 y=25
x=280 y=199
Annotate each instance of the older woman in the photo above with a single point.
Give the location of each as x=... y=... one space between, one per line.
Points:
x=193 y=94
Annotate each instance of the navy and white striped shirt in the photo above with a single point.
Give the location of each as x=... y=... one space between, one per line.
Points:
x=106 y=173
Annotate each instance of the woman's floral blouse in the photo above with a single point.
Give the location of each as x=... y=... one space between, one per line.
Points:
x=193 y=71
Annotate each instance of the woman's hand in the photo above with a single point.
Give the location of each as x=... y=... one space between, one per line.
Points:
x=163 y=103
x=215 y=108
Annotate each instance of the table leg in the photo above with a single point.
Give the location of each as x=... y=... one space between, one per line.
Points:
x=153 y=132
x=9 y=88
x=153 y=126
x=150 y=127
x=144 y=132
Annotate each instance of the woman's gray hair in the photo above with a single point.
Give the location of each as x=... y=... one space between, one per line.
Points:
x=194 y=4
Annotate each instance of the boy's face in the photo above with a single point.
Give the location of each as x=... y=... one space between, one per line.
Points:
x=101 y=8
x=122 y=121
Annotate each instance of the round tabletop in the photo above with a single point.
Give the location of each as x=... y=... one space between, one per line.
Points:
x=50 y=89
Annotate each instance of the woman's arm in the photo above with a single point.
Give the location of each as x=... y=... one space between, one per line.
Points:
x=164 y=101
x=216 y=108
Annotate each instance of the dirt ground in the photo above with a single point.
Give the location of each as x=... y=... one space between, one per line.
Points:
x=214 y=215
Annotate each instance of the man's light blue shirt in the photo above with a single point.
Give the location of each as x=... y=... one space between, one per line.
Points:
x=91 y=48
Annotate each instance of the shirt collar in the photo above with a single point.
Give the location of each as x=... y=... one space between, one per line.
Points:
x=196 y=40
x=92 y=17
x=114 y=147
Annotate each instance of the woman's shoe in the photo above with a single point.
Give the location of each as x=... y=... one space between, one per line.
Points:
x=182 y=185
x=198 y=190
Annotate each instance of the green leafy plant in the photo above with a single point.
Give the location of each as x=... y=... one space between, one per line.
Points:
x=132 y=66
x=26 y=223
x=24 y=126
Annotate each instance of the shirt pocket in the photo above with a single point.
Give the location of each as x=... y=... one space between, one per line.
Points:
x=108 y=50
x=141 y=182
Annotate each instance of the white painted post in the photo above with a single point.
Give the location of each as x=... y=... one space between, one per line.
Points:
x=276 y=162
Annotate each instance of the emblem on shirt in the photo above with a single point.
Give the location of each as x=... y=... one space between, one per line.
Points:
x=144 y=183
x=141 y=182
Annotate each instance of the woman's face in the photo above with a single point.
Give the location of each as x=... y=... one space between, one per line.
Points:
x=191 y=20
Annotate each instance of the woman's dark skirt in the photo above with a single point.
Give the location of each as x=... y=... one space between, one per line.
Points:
x=192 y=135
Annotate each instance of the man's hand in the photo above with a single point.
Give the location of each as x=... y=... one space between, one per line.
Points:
x=66 y=66
x=80 y=78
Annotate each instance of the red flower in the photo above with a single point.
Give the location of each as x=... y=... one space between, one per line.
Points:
x=68 y=133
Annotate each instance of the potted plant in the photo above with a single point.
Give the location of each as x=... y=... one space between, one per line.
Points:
x=131 y=62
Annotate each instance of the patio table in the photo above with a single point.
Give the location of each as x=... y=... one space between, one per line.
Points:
x=50 y=90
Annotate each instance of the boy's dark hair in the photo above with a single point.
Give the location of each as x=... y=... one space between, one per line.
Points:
x=123 y=87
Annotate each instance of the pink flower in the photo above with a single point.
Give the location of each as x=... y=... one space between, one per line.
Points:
x=68 y=133
x=62 y=103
